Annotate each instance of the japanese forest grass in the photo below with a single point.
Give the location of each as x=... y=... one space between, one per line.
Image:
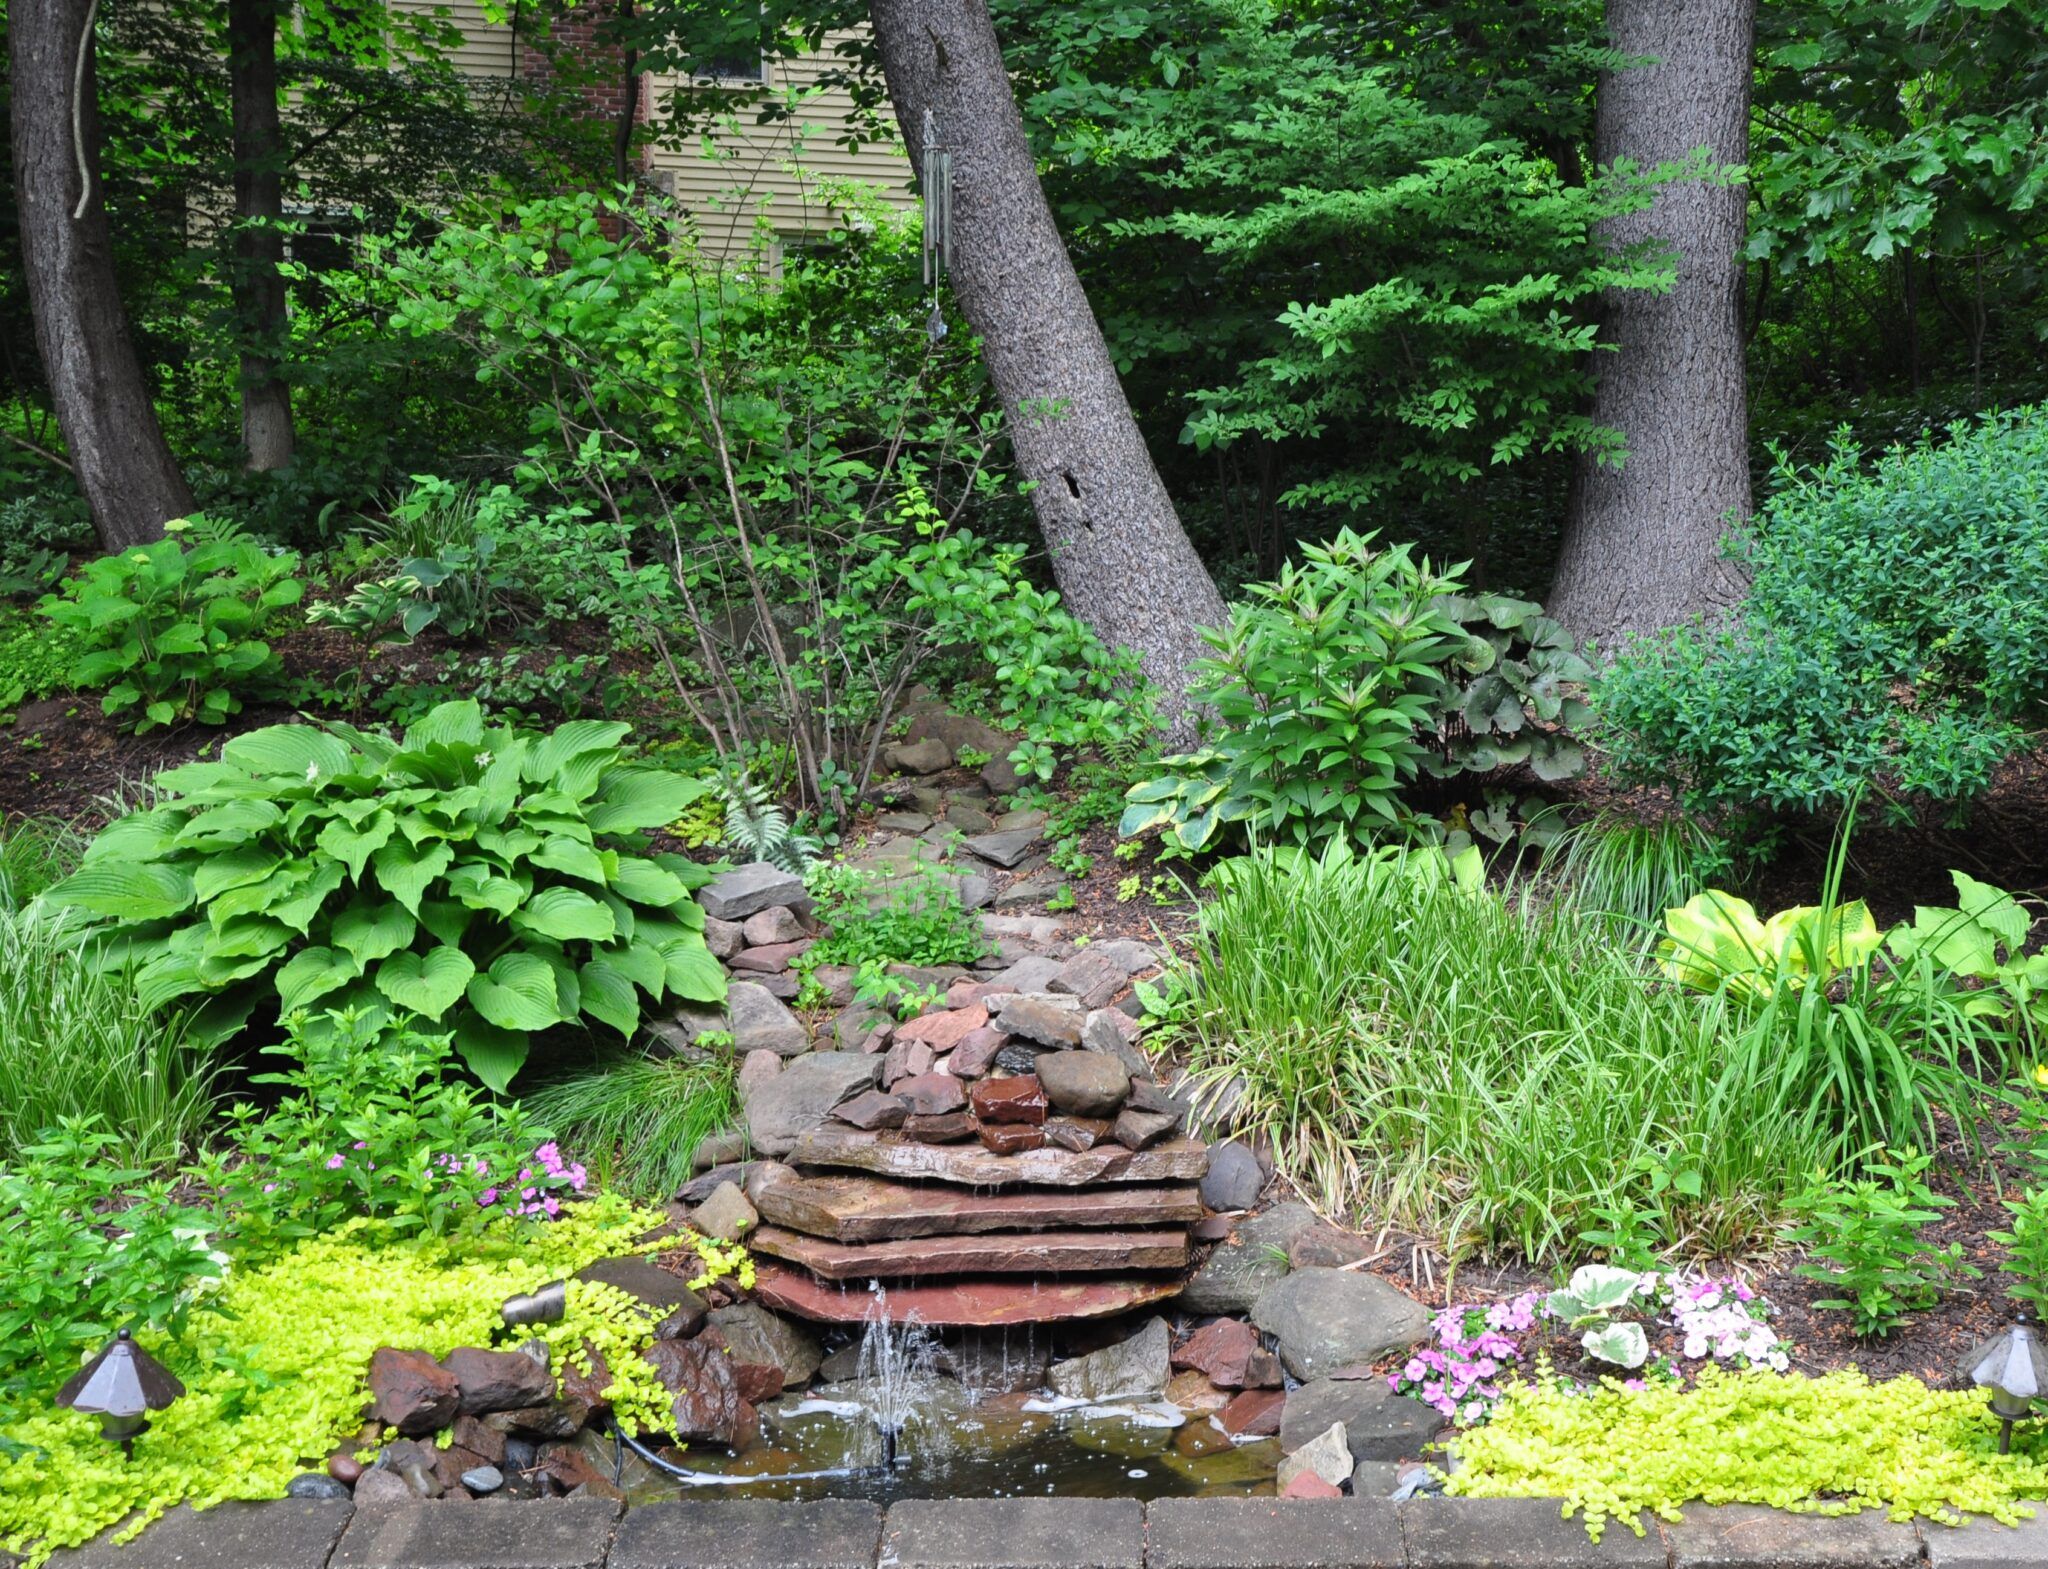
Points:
x=1488 y=1072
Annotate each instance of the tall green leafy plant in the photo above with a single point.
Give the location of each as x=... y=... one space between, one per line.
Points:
x=494 y=883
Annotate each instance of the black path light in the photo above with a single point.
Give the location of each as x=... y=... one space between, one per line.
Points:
x=2014 y=1367
x=121 y=1386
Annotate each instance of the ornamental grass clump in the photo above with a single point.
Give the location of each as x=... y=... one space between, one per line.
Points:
x=1832 y=1445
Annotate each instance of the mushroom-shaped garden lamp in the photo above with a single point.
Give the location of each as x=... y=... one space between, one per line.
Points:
x=121 y=1386
x=2014 y=1367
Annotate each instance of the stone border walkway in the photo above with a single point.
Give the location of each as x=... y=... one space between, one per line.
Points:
x=1037 y=1533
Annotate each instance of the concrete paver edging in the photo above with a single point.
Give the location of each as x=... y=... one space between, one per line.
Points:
x=1040 y=1533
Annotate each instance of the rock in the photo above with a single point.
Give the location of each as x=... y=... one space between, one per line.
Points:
x=771 y=927
x=759 y=1022
x=977 y=1050
x=1176 y=1160
x=483 y=1479
x=311 y=1484
x=1325 y=1319
x=1136 y=1130
x=1002 y=1253
x=1011 y=1138
x=498 y=1380
x=1027 y=975
x=783 y=987
x=1076 y=1133
x=944 y=1030
x=344 y=1467
x=721 y=1149
x=1235 y=1179
x=556 y=1419
x=872 y=1109
x=1048 y=1020
x=1222 y=1350
x=854 y=1023
x=836 y=981
x=1017 y=1100
x=521 y=1454
x=1378 y=1424
x=1126 y=953
x=412 y=1392
x=1083 y=1083
x=748 y=890
x=867 y=1209
x=759 y=1065
x=1194 y=1392
x=1001 y=775
x=706 y=1404
x=960 y=732
x=768 y=961
x=1089 y=977
x=1040 y=930
x=480 y=1438
x=412 y=1464
x=1018 y=1056
x=1024 y=817
x=1114 y=1033
x=383 y=1488
x=1003 y=848
x=758 y=1383
x=577 y=1385
x=967 y=818
x=723 y=938
x=1327 y=1455
x=932 y=1094
x=726 y=1215
x=1135 y=1369
x=753 y=1334
x=1148 y=1095
x=946 y=1127
x=1232 y=1277
x=988 y=1302
x=1032 y=890
x=660 y=1289
x=744 y=1172
x=905 y=1059
x=797 y=1100
x=929 y=756
x=997 y=1364
x=903 y=822
x=1306 y=1484
x=1375 y=1479
x=1324 y=1246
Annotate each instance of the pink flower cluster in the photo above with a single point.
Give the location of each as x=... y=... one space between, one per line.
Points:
x=1473 y=1344
x=531 y=1196
x=1724 y=1319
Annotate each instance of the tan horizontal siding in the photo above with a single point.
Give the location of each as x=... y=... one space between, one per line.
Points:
x=488 y=48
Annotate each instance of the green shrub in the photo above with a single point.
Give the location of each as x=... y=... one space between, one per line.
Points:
x=495 y=884
x=1894 y=637
x=914 y=918
x=1508 y=695
x=2026 y=1245
x=78 y=1044
x=1496 y=1075
x=637 y=1119
x=442 y=543
x=1866 y=1233
x=36 y=658
x=177 y=632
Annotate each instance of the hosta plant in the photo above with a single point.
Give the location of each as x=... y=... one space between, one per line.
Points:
x=1982 y=939
x=1715 y=941
x=174 y=630
x=494 y=883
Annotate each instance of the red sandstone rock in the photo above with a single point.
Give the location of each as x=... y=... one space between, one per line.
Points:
x=1011 y=1138
x=976 y=1053
x=708 y=1405
x=498 y=1380
x=1309 y=1485
x=1015 y=1100
x=943 y=1031
x=983 y=1301
x=945 y=1127
x=412 y=1392
x=931 y=1094
x=1223 y=1350
x=1255 y=1413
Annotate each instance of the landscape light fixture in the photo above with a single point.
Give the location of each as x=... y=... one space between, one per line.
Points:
x=543 y=1305
x=2014 y=1367
x=121 y=1386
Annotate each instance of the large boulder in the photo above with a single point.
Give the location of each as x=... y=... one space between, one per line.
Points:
x=1325 y=1319
x=781 y=1110
x=498 y=1380
x=753 y=1016
x=706 y=1405
x=681 y=1309
x=412 y=1392
x=753 y=1334
x=1378 y=1424
x=750 y=889
x=1083 y=1083
x=1134 y=1369
x=1232 y=1277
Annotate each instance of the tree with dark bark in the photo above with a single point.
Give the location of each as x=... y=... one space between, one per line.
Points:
x=1123 y=563
x=116 y=447
x=255 y=278
x=1642 y=546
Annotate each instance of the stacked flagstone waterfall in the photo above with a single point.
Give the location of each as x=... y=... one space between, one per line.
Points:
x=1007 y=1157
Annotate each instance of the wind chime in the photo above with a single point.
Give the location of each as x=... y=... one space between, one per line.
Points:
x=937 y=180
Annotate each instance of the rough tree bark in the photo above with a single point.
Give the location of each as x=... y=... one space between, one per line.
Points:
x=268 y=437
x=110 y=429
x=1123 y=563
x=1642 y=542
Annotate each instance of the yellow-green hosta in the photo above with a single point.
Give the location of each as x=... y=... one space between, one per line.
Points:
x=1715 y=941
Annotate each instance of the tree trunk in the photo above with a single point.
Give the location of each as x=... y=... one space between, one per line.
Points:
x=1642 y=546
x=254 y=279
x=116 y=447
x=1123 y=563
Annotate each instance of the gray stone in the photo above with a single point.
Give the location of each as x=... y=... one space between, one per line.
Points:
x=723 y=938
x=314 y=1484
x=1001 y=775
x=721 y=1149
x=1232 y=1277
x=1002 y=848
x=1133 y=1369
x=837 y=1533
x=1327 y=1455
x=1137 y=1129
x=968 y=818
x=1039 y=929
x=1375 y=1478
x=285 y=1533
x=747 y=890
x=753 y=1334
x=1520 y=1533
x=1274 y=1533
x=1015 y=1533
x=1082 y=1083
x=1046 y=1019
x=1031 y=974
x=1023 y=817
x=929 y=756
x=903 y=822
x=760 y=1064
x=797 y=1100
x=1114 y=1033
x=776 y=924
x=550 y=1533
x=1324 y=1319
x=1126 y=953
x=1235 y=1179
x=759 y=1022
x=1380 y=1424
x=380 y=1489
x=1984 y=1544
x=852 y=1025
x=1031 y=890
x=483 y=1479
x=726 y=1215
x=1749 y=1536
x=1090 y=977
x=961 y=732
x=872 y=1109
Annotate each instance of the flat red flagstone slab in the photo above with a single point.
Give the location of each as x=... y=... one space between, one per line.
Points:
x=983 y=1301
x=1000 y=1253
x=1171 y=1160
x=870 y=1209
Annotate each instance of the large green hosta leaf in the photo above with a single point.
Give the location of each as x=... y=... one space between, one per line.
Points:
x=127 y=892
x=428 y=984
x=566 y=915
x=517 y=993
